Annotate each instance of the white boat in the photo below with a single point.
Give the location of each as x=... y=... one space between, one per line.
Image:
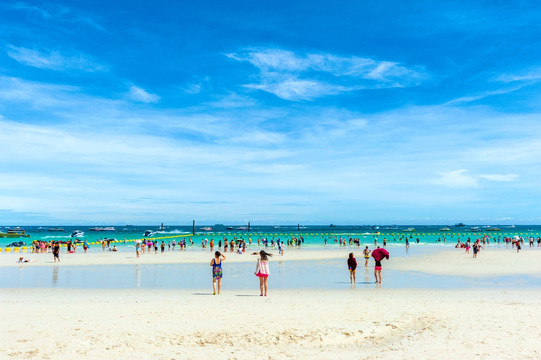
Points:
x=148 y=233
x=77 y=233
x=206 y=228
x=408 y=230
x=108 y=228
x=445 y=229
x=242 y=228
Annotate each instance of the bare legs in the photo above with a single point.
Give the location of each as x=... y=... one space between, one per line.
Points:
x=352 y=277
x=263 y=284
x=377 y=275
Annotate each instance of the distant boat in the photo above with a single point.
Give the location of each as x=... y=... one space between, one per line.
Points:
x=242 y=228
x=77 y=233
x=332 y=225
x=493 y=229
x=445 y=229
x=109 y=228
x=408 y=230
x=55 y=229
x=148 y=233
x=206 y=228
x=230 y=228
x=459 y=225
x=14 y=233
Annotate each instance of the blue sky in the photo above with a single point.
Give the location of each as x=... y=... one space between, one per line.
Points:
x=360 y=112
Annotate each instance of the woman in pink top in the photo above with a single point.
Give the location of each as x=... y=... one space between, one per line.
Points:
x=262 y=270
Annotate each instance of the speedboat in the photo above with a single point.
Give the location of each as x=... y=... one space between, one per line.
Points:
x=14 y=233
x=109 y=228
x=16 y=244
x=206 y=228
x=148 y=233
x=408 y=230
x=242 y=228
x=445 y=229
x=77 y=233
x=493 y=229
x=230 y=228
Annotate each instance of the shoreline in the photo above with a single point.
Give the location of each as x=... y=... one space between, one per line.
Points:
x=492 y=261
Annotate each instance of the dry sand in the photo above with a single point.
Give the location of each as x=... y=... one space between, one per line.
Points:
x=346 y=324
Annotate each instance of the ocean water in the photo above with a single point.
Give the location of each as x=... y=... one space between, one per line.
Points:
x=314 y=236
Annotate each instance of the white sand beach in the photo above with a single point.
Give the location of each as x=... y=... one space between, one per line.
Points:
x=346 y=324
x=352 y=323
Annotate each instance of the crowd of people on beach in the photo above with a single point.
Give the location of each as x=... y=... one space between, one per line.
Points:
x=516 y=242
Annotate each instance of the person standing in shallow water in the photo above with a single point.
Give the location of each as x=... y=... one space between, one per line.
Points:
x=262 y=271
x=366 y=254
x=56 y=251
x=352 y=266
x=217 y=271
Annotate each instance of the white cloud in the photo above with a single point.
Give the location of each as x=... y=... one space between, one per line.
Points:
x=534 y=75
x=248 y=158
x=457 y=179
x=54 y=60
x=461 y=178
x=303 y=77
x=499 y=177
x=297 y=89
x=471 y=98
x=138 y=94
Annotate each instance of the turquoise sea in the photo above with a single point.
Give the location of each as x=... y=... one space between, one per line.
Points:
x=313 y=236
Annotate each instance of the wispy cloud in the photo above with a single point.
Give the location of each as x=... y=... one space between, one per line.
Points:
x=457 y=179
x=138 y=94
x=293 y=76
x=54 y=60
x=476 y=97
x=463 y=179
x=292 y=88
x=530 y=76
x=59 y=13
x=213 y=153
x=499 y=177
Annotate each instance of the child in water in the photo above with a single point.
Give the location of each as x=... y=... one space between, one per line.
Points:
x=352 y=266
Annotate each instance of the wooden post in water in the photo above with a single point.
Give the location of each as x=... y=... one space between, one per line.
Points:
x=248 y=226
x=193 y=228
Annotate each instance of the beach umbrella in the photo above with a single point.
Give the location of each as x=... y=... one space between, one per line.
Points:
x=380 y=253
